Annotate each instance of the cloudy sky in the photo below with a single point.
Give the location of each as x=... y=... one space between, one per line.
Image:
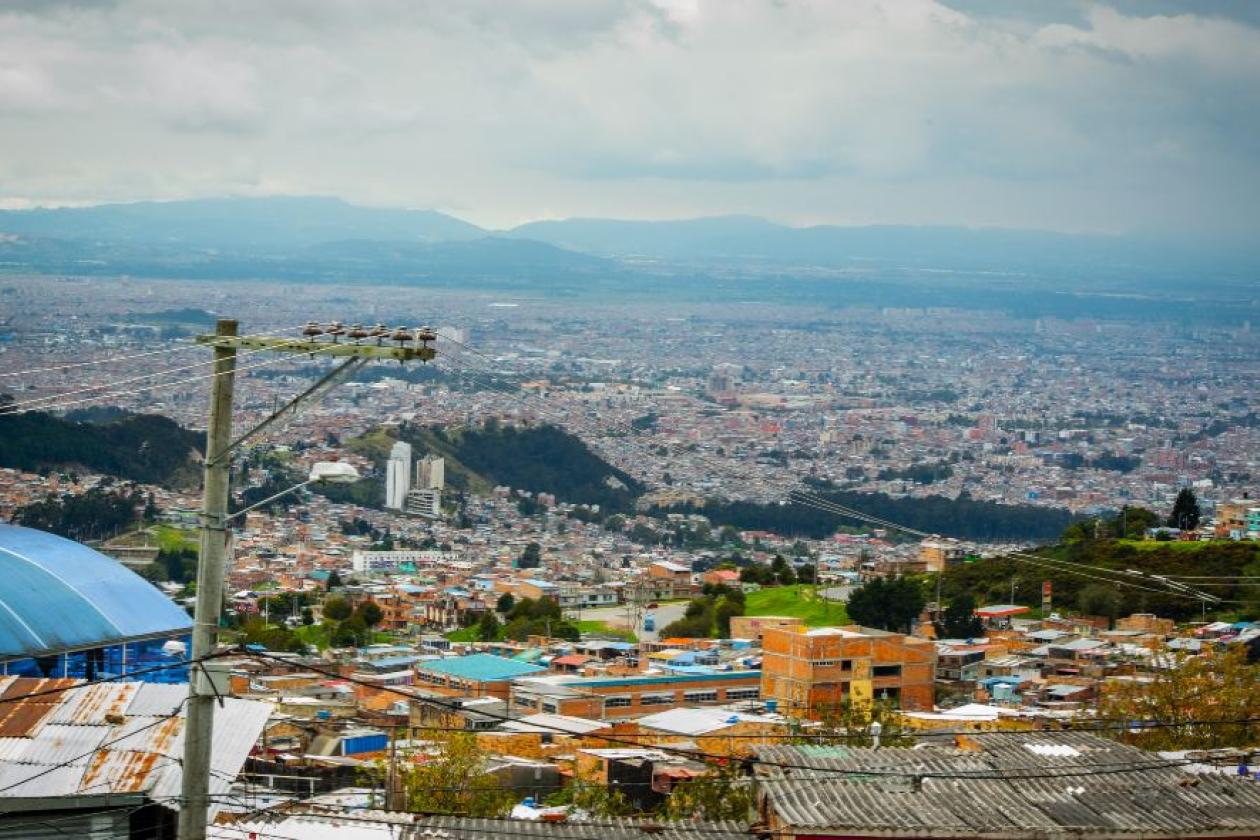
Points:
x=1121 y=115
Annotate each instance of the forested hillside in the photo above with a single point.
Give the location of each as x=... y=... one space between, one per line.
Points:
x=138 y=447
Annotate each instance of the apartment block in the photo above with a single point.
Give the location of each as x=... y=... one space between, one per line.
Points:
x=809 y=672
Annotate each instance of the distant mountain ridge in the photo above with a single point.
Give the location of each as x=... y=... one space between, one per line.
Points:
x=326 y=239
x=734 y=238
x=266 y=223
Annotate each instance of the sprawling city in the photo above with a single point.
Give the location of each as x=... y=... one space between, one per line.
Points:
x=325 y=518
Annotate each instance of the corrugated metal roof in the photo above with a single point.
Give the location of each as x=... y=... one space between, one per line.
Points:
x=1018 y=799
x=60 y=595
x=396 y=826
x=105 y=746
x=158 y=699
x=94 y=703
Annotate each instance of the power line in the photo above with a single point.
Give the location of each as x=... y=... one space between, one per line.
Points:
x=36 y=403
x=183 y=346
x=826 y=505
x=696 y=755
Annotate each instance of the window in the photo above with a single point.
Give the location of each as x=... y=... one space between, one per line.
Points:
x=826 y=663
x=616 y=702
x=743 y=693
x=656 y=699
x=887 y=671
x=700 y=696
x=550 y=707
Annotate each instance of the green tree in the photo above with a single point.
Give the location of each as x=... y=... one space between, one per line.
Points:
x=505 y=603
x=1133 y=522
x=489 y=627
x=350 y=633
x=451 y=779
x=1100 y=599
x=1185 y=513
x=887 y=604
x=595 y=799
x=337 y=608
x=531 y=557
x=334 y=581
x=308 y=617
x=1219 y=686
x=723 y=795
x=959 y=620
x=371 y=613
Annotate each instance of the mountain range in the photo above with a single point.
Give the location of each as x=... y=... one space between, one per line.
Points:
x=316 y=239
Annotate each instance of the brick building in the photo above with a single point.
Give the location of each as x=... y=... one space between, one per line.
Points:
x=810 y=671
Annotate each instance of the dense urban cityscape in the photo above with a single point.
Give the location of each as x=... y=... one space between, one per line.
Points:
x=715 y=421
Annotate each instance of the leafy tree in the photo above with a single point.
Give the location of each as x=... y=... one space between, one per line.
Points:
x=1185 y=513
x=351 y=632
x=805 y=574
x=959 y=620
x=257 y=632
x=451 y=778
x=723 y=795
x=1219 y=686
x=595 y=799
x=371 y=613
x=887 y=604
x=337 y=608
x=308 y=617
x=99 y=512
x=849 y=723
x=334 y=581
x=784 y=575
x=531 y=557
x=1099 y=599
x=488 y=627
x=505 y=603
x=1133 y=522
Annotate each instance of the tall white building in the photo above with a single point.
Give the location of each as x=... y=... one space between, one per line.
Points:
x=430 y=473
x=398 y=476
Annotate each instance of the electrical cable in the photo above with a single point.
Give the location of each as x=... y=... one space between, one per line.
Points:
x=36 y=404
x=183 y=346
x=821 y=503
x=696 y=755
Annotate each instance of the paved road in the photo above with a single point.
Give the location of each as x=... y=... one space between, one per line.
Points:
x=616 y=617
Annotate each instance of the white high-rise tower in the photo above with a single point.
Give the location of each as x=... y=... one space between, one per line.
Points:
x=398 y=476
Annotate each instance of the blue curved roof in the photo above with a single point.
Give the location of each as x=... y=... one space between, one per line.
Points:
x=59 y=595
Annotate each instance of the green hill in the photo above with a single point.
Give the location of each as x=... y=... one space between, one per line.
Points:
x=137 y=447
x=540 y=459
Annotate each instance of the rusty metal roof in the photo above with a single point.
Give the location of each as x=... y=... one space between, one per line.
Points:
x=123 y=737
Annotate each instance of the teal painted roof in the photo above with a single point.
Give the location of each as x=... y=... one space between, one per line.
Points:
x=481 y=667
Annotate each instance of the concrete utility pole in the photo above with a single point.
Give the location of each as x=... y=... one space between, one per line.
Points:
x=199 y=725
x=198 y=728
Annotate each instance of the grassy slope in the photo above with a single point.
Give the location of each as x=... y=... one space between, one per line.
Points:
x=799 y=601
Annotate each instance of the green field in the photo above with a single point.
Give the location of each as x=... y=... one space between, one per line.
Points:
x=1172 y=545
x=602 y=628
x=799 y=601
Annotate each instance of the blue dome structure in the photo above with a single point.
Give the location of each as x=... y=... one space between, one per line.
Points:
x=57 y=596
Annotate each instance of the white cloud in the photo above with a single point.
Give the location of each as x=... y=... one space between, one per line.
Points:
x=804 y=110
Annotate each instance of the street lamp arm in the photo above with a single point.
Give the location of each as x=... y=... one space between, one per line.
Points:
x=270 y=499
x=327 y=381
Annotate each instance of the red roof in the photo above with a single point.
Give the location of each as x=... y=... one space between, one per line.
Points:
x=574 y=659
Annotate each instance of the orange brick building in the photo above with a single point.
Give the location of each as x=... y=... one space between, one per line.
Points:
x=809 y=672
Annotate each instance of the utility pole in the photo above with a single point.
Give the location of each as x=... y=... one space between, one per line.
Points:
x=199 y=725
x=198 y=728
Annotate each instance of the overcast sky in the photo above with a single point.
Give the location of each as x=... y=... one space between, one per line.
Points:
x=1111 y=116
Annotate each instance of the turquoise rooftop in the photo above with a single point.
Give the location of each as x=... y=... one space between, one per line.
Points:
x=480 y=667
